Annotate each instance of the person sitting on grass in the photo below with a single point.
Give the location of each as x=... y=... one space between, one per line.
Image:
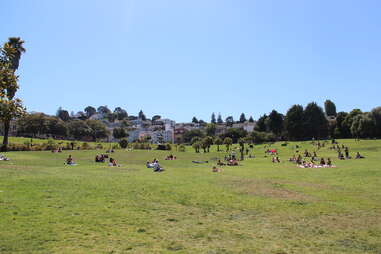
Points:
x=113 y=163
x=216 y=170
x=100 y=158
x=232 y=163
x=157 y=167
x=359 y=156
x=70 y=160
x=322 y=162
x=329 y=162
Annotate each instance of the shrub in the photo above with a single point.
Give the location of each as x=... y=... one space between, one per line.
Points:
x=164 y=147
x=181 y=148
x=85 y=146
x=123 y=143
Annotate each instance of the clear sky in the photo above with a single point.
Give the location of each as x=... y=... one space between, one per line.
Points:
x=185 y=58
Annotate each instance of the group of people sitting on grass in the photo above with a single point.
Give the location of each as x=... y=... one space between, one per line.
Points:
x=322 y=164
x=3 y=158
x=154 y=165
x=170 y=157
x=101 y=158
x=314 y=162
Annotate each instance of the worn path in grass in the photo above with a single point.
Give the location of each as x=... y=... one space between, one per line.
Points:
x=257 y=207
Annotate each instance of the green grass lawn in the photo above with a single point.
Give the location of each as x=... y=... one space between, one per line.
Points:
x=257 y=207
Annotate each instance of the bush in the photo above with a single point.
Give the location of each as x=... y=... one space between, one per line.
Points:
x=85 y=146
x=164 y=147
x=123 y=143
x=181 y=148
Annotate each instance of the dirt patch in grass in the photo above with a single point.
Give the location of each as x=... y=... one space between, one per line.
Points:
x=269 y=189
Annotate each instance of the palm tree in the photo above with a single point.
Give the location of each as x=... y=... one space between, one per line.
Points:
x=17 y=44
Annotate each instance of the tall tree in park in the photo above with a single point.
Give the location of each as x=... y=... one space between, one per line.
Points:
x=89 y=110
x=63 y=114
x=315 y=122
x=363 y=126
x=376 y=116
x=213 y=118
x=194 y=120
x=10 y=107
x=142 y=116
x=348 y=121
x=97 y=129
x=341 y=129
x=218 y=141
x=119 y=133
x=275 y=122
x=211 y=129
x=251 y=119
x=242 y=118
x=229 y=121
x=18 y=49
x=294 y=122
x=219 y=119
x=120 y=113
x=261 y=125
x=104 y=110
x=330 y=108
x=228 y=142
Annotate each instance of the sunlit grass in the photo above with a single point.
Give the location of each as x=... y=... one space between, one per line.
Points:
x=257 y=207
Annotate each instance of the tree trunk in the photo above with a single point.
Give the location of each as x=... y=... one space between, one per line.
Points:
x=4 y=148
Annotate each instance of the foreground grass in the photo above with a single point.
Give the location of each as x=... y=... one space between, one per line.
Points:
x=258 y=207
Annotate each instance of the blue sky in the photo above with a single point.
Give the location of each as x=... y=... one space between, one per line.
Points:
x=185 y=58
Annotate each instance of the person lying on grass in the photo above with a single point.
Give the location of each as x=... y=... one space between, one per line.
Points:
x=359 y=156
x=3 y=158
x=70 y=160
x=100 y=158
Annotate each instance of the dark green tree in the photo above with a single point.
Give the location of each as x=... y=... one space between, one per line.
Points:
x=242 y=118
x=294 y=122
x=219 y=119
x=120 y=113
x=142 y=116
x=330 y=108
x=229 y=121
x=211 y=129
x=97 y=129
x=213 y=118
x=89 y=110
x=275 y=122
x=261 y=125
x=104 y=110
x=315 y=122
x=251 y=120
x=119 y=133
x=194 y=120
x=63 y=114
x=218 y=141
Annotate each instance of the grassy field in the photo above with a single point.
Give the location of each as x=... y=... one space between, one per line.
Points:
x=257 y=207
